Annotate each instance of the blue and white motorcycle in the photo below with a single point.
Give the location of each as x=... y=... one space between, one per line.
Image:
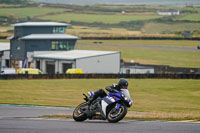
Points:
x=113 y=107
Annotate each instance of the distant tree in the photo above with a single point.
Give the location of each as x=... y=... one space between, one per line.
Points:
x=13 y=1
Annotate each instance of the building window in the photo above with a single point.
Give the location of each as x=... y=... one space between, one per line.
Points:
x=38 y=63
x=66 y=45
x=59 y=29
x=53 y=46
x=18 y=47
x=7 y=63
x=56 y=45
x=61 y=46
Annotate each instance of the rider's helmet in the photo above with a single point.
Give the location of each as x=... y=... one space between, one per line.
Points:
x=123 y=83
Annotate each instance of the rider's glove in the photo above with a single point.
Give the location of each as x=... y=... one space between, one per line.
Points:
x=114 y=85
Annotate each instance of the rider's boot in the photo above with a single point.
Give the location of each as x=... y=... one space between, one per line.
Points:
x=89 y=102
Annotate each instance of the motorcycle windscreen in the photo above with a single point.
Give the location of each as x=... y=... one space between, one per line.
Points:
x=126 y=93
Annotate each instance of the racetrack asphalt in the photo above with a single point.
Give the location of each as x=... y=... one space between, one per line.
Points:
x=14 y=119
x=7 y=110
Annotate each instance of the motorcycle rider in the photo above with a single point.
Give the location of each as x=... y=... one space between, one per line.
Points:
x=122 y=84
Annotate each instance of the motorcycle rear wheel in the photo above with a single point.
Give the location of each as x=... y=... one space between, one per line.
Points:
x=117 y=115
x=78 y=115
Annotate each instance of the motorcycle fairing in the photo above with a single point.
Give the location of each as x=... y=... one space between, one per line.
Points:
x=116 y=95
x=105 y=102
x=108 y=99
x=104 y=106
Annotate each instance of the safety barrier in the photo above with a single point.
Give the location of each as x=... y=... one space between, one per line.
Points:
x=101 y=76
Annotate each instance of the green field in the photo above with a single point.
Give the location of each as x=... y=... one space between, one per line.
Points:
x=150 y=95
x=136 y=19
x=178 y=58
x=91 y=18
x=169 y=28
x=25 y=12
x=175 y=43
x=191 y=17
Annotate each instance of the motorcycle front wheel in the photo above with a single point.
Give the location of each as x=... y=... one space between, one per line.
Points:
x=117 y=115
x=78 y=115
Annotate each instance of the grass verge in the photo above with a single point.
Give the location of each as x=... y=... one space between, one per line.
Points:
x=147 y=116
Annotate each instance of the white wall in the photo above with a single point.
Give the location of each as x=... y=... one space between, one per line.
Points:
x=97 y=64
x=138 y=70
x=100 y=64
x=6 y=56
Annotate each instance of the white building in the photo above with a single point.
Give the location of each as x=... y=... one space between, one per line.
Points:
x=4 y=54
x=90 y=61
x=137 y=70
